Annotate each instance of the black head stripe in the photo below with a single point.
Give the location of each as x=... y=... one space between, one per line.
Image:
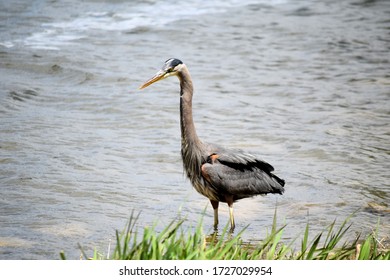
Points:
x=172 y=63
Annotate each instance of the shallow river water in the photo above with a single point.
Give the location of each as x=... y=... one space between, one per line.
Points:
x=304 y=84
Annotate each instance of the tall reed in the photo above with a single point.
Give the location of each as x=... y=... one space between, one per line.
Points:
x=176 y=243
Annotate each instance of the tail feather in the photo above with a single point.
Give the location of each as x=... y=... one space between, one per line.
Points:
x=280 y=181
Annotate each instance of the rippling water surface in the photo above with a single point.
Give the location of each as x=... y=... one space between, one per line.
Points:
x=306 y=85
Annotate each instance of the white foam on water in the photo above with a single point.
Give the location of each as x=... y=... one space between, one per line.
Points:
x=7 y=44
x=55 y=35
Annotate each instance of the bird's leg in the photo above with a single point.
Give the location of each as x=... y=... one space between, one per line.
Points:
x=233 y=225
x=229 y=200
x=215 y=205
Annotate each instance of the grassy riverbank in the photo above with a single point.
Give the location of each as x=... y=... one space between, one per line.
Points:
x=175 y=243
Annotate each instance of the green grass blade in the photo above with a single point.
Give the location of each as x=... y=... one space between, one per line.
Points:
x=313 y=248
x=304 y=242
x=365 y=249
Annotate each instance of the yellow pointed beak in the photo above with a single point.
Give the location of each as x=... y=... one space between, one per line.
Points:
x=159 y=76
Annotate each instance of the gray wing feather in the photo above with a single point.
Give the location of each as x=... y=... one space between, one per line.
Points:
x=241 y=174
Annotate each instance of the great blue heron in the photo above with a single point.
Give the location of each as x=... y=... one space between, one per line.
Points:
x=220 y=174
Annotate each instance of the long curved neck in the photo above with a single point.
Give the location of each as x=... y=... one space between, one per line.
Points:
x=188 y=132
x=191 y=146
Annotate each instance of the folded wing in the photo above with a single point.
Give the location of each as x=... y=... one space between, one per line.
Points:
x=240 y=174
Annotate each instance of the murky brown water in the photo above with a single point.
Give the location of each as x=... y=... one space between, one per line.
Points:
x=304 y=84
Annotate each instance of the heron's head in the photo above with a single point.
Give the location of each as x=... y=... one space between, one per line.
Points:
x=170 y=68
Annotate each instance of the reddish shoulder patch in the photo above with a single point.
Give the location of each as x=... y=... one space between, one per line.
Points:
x=213 y=158
x=204 y=172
